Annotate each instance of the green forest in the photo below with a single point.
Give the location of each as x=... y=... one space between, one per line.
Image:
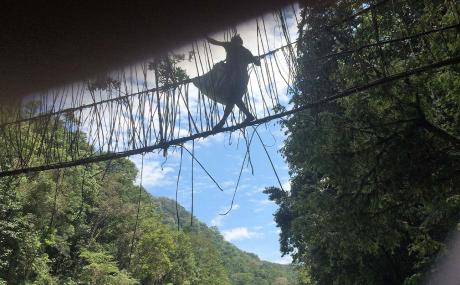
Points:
x=375 y=184
x=92 y=225
x=375 y=176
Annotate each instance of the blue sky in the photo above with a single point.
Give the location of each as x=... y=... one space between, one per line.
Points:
x=250 y=224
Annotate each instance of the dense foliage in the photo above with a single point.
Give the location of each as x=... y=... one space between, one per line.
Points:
x=92 y=225
x=375 y=186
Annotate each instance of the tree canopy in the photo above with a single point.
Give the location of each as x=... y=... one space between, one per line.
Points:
x=374 y=176
x=93 y=225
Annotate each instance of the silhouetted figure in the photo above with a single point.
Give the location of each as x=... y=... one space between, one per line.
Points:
x=227 y=81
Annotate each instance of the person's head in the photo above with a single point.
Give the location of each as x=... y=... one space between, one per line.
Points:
x=236 y=39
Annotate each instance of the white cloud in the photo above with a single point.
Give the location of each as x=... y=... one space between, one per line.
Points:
x=153 y=173
x=263 y=202
x=287 y=186
x=266 y=202
x=239 y=233
x=258 y=210
x=284 y=260
x=218 y=138
x=254 y=191
x=217 y=221
x=228 y=184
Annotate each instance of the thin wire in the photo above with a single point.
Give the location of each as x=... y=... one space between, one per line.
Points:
x=246 y=154
x=202 y=167
x=270 y=159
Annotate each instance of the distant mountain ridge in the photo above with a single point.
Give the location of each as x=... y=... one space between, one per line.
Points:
x=243 y=267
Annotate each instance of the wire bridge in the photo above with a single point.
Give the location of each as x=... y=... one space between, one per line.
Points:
x=153 y=106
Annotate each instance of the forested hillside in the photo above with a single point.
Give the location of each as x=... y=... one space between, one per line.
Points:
x=92 y=225
x=375 y=186
x=243 y=267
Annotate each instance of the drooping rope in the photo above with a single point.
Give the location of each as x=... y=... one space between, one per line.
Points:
x=246 y=156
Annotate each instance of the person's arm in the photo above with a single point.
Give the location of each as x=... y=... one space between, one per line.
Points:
x=250 y=58
x=215 y=42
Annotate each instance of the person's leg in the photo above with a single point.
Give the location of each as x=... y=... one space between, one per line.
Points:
x=244 y=109
x=227 y=111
